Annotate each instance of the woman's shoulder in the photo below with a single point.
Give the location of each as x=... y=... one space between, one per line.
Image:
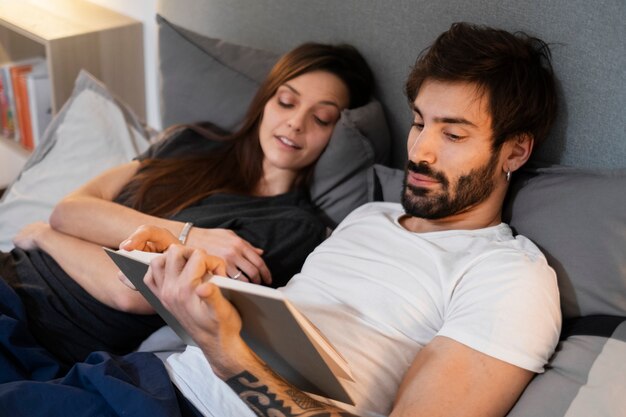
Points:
x=184 y=141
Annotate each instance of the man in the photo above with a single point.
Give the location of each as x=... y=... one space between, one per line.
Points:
x=438 y=308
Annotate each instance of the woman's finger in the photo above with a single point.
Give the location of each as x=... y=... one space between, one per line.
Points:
x=259 y=269
x=250 y=271
x=149 y=238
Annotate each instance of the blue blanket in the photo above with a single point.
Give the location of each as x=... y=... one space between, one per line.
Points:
x=34 y=383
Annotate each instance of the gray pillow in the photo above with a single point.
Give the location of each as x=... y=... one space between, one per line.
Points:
x=578 y=219
x=387 y=183
x=585 y=376
x=92 y=132
x=206 y=79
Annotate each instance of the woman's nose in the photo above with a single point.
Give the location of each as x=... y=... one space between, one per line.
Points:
x=296 y=121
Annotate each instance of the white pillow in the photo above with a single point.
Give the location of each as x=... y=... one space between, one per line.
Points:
x=93 y=132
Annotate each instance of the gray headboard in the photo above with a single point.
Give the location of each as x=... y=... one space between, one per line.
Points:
x=588 y=39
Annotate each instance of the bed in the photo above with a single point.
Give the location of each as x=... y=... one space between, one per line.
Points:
x=570 y=200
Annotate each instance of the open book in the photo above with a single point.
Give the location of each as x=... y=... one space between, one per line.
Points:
x=275 y=330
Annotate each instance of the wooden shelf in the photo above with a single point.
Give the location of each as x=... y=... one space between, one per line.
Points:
x=14 y=146
x=12 y=159
x=74 y=35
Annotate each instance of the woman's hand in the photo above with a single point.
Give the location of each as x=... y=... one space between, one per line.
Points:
x=149 y=238
x=242 y=259
x=28 y=237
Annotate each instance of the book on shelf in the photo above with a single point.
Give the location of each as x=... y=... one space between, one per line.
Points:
x=25 y=101
x=39 y=101
x=7 y=105
x=273 y=327
x=22 y=110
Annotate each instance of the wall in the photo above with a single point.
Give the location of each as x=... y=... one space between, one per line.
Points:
x=587 y=42
x=145 y=11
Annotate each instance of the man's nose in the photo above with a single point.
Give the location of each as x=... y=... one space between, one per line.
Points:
x=423 y=146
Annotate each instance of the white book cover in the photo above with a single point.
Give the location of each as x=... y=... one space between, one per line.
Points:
x=39 y=101
x=275 y=330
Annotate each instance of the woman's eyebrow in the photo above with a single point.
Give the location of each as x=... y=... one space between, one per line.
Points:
x=296 y=92
x=327 y=102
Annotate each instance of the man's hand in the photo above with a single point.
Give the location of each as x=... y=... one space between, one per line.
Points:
x=179 y=279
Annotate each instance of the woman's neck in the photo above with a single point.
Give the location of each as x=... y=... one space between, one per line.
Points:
x=275 y=181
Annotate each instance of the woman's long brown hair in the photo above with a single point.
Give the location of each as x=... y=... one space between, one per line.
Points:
x=163 y=187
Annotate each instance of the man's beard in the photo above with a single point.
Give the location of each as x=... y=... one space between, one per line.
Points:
x=470 y=189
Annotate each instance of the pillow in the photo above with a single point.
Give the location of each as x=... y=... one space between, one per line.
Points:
x=387 y=183
x=585 y=376
x=577 y=218
x=92 y=132
x=206 y=79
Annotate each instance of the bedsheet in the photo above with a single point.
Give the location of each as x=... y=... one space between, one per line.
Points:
x=32 y=382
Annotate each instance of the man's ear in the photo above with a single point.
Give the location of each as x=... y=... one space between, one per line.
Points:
x=517 y=151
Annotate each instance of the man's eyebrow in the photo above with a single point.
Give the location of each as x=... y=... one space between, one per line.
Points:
x=296 y=92
x=449 y=120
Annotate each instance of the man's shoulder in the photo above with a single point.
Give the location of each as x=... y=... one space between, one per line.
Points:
x=523 y=246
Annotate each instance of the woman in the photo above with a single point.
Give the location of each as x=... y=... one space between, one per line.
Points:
x=243 y=193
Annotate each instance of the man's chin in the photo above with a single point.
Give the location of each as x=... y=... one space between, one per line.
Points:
x=422 y=207
x=412 y=206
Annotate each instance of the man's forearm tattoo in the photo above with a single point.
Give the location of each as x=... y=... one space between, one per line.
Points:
x=258 y=397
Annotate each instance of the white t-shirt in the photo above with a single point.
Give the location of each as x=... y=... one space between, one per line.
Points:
x=380 y=293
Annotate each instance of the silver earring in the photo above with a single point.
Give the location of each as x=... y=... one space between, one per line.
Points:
x=508 y=176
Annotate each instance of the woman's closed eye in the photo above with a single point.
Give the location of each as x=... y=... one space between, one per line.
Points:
x=322 y=121
x=286 y=104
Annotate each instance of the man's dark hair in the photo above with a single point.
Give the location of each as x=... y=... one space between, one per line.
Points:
x=513 y=69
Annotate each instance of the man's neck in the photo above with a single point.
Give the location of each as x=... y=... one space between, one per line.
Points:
x=420 y=225
x=486 y=214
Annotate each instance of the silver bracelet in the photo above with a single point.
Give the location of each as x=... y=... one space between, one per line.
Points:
x=182 y=237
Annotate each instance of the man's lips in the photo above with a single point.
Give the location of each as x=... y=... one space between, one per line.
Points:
x=421 y=180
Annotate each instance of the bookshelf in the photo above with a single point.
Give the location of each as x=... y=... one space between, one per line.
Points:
x=72 y=35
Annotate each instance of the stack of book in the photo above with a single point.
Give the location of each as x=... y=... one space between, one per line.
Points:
x=25 y=101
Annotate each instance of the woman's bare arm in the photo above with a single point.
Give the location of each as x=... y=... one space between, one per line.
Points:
x=87 y=264
x=90 y=214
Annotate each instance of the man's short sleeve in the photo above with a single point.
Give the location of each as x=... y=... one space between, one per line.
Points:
x=506 y=305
